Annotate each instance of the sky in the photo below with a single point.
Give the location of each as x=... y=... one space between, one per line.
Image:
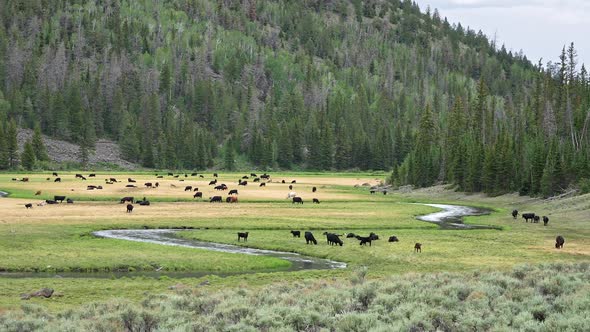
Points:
x=540 y=28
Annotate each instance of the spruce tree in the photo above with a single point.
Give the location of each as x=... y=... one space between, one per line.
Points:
x=12 y=145
x=3 y=148
x=38 y=145
x=228 y=157
x=28 y=156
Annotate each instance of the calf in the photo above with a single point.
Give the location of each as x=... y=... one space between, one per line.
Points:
x=144 y=203
x=418 y=247
x=514 y=213
x=38 y=193
x=127 y=199
x=212 y=183
x=350 y=235
x=195 y=189
x=55 y=174
x=559 y=241
x=333 y=239
x=29 y=205
x=243 y=236
x=215 y=199
x=290 y=187
x=57 y=180
x=262 y=184
x=309 y=238
x=188 y=188
x=393 y=238
x=61 y=199
x=201 y=176
x=314 y=189
x=129 y=208
x=527 y=216
x=70 y=201
x=233 y=191
x=315 y=200
x=536 y=219
x=296 y=233
x=130 y=180
x=545 y=220
x=50 y=201
x=198 y=194
x=297 y=200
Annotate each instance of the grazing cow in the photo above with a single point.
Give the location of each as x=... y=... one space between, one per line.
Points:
x=198 y=194
x=193 y=174
x=55 y=174
x=215 y=175
x=297 y=200
x=144 y=203
x=418 y=247
x=364 y=240
x=48 y=179
x=333 y=239
x=294 y=181
x=374 y=236
x=536 y=219
x=160 y=176
x=129 y=208
x=170 y=174
x=212 y=183
x=148 y=184
x=201 y=176
x=527 y=216
x=253 y=175
x=372 y=192
x=38 y=193
x=61 y=199
x=265 y=176
x=195 y=189
x=314 y=189
x=130 y=186
x=283 y=181
x=243 y=236
x=113 y=180
x=350 y=235
x=29 y=205
x=219 y=188
x=315 y=200
x=514 y=213
x=25 y=180
x=290 y=187
x=130 y=180
x=188 y=188
x=49 y=201
x=70 y=201
x=291 y=194
x=231 y=199
x=215 y=199
x=393 y=238
x=245 y=177
x=78 y=176
x=545 y=220
x=296 y=233
x=309 y=238
x=233 y=191
x=384 y=192
x=92 y=175
x=57 y=180
x=262 y=184
x=91 y=187
x=157 y=184
x=83 y=178
x=243 y=183
x=559 y=241
x=127 y=199
x=256 y=180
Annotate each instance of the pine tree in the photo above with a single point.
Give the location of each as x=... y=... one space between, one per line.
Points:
x=38 y=145
x=424 y=171
x=228 y=157
x=28 y=156
x=12 y=145
x=3 y=148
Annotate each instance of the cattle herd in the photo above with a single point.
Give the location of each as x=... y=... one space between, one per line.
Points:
x=534 y=218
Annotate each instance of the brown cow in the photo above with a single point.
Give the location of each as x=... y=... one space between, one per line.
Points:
x=418 y=247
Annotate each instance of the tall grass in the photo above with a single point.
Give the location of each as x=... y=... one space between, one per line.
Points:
x=528 y=298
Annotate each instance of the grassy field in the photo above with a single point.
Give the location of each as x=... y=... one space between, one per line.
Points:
x=56 y=238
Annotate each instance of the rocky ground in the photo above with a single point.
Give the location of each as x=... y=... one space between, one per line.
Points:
x=61 y=151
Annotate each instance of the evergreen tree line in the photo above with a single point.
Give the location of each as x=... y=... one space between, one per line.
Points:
x=286 y=84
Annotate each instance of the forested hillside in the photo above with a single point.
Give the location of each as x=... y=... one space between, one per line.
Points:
x=306 y=84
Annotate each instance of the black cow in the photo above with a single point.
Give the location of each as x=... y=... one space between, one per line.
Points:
x=393 y=238
x=418 y=247
x=374 y=236
x=70 y=201
x=176 y=176
x=253 y=175
x=527 y=216
x=220 y=188
x=372 y=192
x=212 y=183
x=314 y=189
x=29 y=205
x=157 y=184
x=283 y=181
x=57 y=180
x=130 y=180
x=170 y=174
x=294 y=181
x=315 y=200
x=384 y=192
x=215 y=175
x=148 y=184
x=193 y=174
x=350 y=235
x=160 y=176
x=364 y=240
x=296 y=233
x=198 y=194
x=61 y=199
x=201 y=176
x=256 y=180
x=144 y=202
x=92 y=175
x=545 y=220
x=290 y=187
x=514 y=214
x=55 y=174
x=536 y=219
x=559 y=241
x=218 y=199
x=233 y=191
x=309 y=238
x=262 y=184
x=127 y=199
x=297 y=200
x=188 y=188
x=50 y=201
x=243 y=236
x=91 y=187
x=245 y=177
x=131 y=186
x=243 y=183
x=195 y=189
x=333 y=239
x=265 y=176
x=113 y=180
x=79 y=176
